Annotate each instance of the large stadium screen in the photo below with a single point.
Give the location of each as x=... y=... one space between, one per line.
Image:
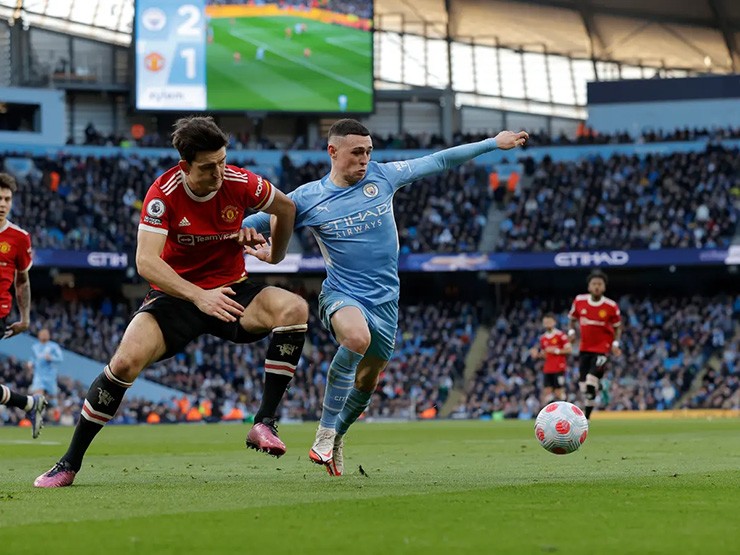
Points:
x=258 y=55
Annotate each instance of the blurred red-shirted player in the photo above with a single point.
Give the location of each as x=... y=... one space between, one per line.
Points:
x=554 y=347
x=599 y=319
x=15 y=261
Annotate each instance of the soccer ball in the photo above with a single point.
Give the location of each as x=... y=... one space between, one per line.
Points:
x=561 y=427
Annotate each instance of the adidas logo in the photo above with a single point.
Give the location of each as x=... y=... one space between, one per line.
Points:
x=184 y=222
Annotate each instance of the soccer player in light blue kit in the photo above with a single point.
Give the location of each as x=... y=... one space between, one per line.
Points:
x=350 y=213
x=47 y=355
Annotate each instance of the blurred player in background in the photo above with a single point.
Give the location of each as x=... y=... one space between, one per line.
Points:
x=47 y=354
x=554 y=347
x=188 y=248
x=350 y=212
x=600 y=322
x=15 y=261
x=342 y=101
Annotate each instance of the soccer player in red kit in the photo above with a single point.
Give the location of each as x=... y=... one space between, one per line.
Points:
x=554 y=347
x=15 y=261
x=599 y=319
x=188 y=249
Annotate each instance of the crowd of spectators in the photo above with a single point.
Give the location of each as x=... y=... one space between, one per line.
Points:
x=659 y=201
x=582 y=135
x=666 y=342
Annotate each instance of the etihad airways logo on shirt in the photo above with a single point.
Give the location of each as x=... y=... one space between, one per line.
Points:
x=358 y=222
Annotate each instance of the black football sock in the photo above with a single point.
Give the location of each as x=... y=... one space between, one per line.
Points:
x=282 y=358
x=101 y=403
x=10 y=398
x=590 y=400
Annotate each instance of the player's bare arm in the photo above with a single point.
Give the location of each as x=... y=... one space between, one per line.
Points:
x=214 y=302
x=565 y=350
x=23 y=299
x=572 y=329
x=616 y=348
x=282 y=211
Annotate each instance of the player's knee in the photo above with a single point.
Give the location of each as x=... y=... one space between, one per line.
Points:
x=126 y=366
x=357 y=340
x=291 y=312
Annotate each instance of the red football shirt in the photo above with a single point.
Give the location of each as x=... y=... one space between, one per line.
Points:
x=199 y=245
x=597 y=320
x=15 y=256
x=554 y=364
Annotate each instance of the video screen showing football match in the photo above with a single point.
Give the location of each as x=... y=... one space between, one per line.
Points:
x=311 y=56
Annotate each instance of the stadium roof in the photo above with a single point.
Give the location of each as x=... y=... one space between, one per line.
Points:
x=701 y=35
x=106 y=20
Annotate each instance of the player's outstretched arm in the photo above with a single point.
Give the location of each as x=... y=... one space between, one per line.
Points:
x=260 y=222
x=23 y=298
x=214 y=302
x=410 y=170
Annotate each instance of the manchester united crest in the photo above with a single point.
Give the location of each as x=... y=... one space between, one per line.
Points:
x=230 y=213
x=4 y=247
x=602 y=313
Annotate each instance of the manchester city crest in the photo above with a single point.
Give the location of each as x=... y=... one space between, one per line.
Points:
x=370 y=190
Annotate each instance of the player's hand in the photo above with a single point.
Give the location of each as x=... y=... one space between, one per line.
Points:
x=506 y=140
x=263 y=253
x=572 y=335
x=534 y=352
x=218 y=303
x=15 y=328
x=616 y=350
x=249 y=237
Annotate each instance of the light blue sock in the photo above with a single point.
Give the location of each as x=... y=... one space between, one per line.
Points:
x=356 y=404
x=339 y=382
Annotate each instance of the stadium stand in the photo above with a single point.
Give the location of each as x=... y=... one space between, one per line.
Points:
x=676 y=200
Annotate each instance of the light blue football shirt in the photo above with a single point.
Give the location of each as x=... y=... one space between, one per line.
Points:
x=354 y=226
x=42 y=367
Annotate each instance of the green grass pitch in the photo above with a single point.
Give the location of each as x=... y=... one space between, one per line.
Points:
x=341 y=62
x=641 y=487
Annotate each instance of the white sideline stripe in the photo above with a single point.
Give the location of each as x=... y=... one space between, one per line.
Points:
x=317 y=69
x=27 y=442
x=337 y=41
